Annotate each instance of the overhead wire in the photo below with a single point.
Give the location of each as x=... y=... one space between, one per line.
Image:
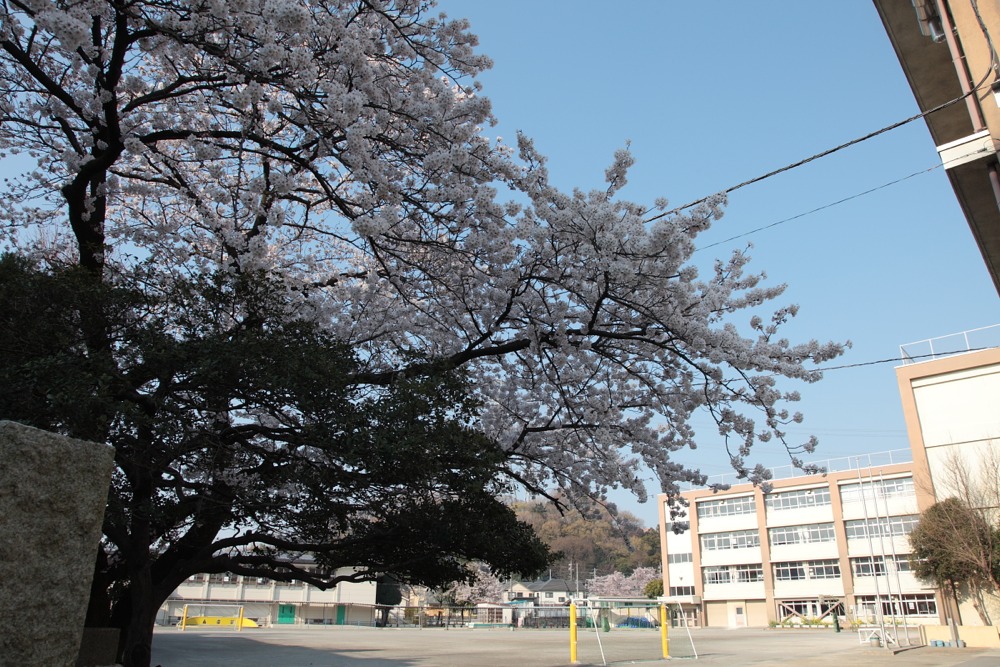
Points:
x=829 y=151
x=820 y=208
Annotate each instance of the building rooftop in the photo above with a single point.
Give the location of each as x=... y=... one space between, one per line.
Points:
x=839 y=464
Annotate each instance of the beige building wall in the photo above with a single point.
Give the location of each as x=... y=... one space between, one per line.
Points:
x=952 y=411
x=846 y=497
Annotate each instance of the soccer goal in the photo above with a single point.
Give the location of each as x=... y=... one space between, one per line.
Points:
x=619 y=631
x=215 y=616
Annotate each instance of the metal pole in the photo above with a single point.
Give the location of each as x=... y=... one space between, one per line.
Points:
x=871 y=548
x=895 y=562
x=572 y=633
x=664 y=639
x=881 y=543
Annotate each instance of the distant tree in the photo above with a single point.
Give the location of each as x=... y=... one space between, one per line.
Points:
x=617 y=584
x=957 y=541
x=595 y=538
x=643 y=551
x=654 y=588
x=483 y=586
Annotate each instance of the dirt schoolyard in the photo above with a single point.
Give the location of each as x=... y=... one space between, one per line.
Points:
x=344 y=646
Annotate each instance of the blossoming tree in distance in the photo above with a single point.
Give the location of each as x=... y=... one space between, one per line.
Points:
x=282 y=269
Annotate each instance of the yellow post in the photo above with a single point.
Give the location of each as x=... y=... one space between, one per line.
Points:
x=663 y=632
x=239 y=621
x=572 y=633
x=184 y=618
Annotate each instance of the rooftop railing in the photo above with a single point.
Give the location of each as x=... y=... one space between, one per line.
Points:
x=839 y=464
x=956 y=343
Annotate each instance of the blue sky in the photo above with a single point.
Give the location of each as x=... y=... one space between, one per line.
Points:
x=713 y=93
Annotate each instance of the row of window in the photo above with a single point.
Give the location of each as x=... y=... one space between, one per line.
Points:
x=810 y=569
x=828 y=568
x=681 y=590
x=679 y=558
x=735 y=539
x=810 y=534
x=877 y=566
x=725 y=574
x=807 y=534
x=916 y=604
x=892 y=526
x=873 y=491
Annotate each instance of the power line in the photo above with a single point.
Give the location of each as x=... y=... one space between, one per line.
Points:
x=906 y=358
x=829 y=151
x=821 y=208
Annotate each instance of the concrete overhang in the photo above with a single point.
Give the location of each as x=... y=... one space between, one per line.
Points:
x=969 y=154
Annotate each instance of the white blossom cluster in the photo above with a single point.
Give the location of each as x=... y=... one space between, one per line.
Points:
x=342 y=147
x=618 y=584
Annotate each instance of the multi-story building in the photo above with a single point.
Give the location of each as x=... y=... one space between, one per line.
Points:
x=814 y=546
x=952 y=409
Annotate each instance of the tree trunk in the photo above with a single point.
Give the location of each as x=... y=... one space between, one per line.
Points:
x=135 y=642
x=134 y=616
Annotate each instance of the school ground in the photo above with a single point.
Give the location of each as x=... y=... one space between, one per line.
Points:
x=340 y=646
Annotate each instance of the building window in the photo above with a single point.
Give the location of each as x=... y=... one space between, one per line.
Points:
x=679 y=558
x=736 y=539
x=914 y=604
x=749 y=573
x=810 y=569
x=809 y=534
x=793 y=571
x=824 y=569
x=876 y=489
x=789 y=500
x=716 y=575
x=725 y=574
x=549 y=594
x=876 y=566
x=798 y=610
x=881 y=527
x=727 y=507
x=676 y=591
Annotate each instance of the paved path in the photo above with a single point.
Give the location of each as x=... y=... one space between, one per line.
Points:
x=389 y=647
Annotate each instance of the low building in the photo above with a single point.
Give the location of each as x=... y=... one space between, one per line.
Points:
x=543 y=592
x=269 y=602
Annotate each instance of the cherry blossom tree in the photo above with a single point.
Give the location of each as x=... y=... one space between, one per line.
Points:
x=618 y=584
x=340 y=149
x=484 y=586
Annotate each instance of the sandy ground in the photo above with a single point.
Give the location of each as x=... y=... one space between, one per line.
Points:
x=341 y=646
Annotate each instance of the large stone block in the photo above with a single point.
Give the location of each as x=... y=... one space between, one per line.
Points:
x=53 y=492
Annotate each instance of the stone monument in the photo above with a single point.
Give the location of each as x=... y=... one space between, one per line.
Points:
x=53 y=492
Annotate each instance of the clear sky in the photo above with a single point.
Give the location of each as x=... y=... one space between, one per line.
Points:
x=713 y=93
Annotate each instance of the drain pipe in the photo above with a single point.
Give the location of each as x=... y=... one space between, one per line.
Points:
x=961 y=67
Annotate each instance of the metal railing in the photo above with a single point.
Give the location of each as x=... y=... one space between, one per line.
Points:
x=839 y=464
x=956 y=343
